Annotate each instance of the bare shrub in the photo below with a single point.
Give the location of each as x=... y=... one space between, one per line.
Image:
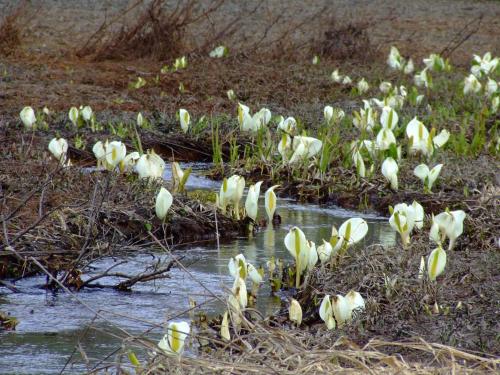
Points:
x=345 y=41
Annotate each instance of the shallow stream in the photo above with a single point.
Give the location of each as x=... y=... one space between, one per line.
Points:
x=52 y=324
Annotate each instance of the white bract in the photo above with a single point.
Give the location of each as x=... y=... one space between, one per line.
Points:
x=150 y=165
x=428 y=176
x=297 y=245
x=350 y=232
x=59 y=147
x=115 y=153
x=252 y=201
x=436 y=262
x=365 y=118
x=451 y=225
x=328 y=113
x=395 y=60
x=385 y=87
x=304 y=148
x=28 y=117
x=420 y=139
x=404 y=218
x=422 y=79
x=130 y=161
x=173 y=341
x=73 y=115
x=363 y=86
x=491 y=87
x=185 y=119
x=484 y=65
x=390 y=171
x=86 y=113
x=342 y=307
x=325 y=251
x=295 y=312
x=218 y=52
x=435 y=62
x=238 y=267
x=99 y=151
x=409 y=67
x=231 y=192
x=288 y=125
x=385 y=138
x=389 y=118
x=163 y=202
x=285 y=146
x=336 y=77
x=471 y=84
x=239 y=291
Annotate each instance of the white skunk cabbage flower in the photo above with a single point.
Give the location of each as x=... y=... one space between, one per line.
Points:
x=295 y=312
x=389 y=118
x=491 y=87
x=365 y=118
x=297 y=245
x=263 y=117
x=185 y=119
x=252 y=201
x=163 y=202
x=328 y=113
x=428 y=176
x=231 y=95
x=355 y=301
x=238 y=267
x=140 y=120
x=59 y=147
x=312 y=255
x=395 y=60
x=471 y=85
x=385 y=87
x=419 y=214
x=285 y=146
x=495 y=103
x=239 y=291
x=324 y=252
x=422 y=79
x=385 y=138
x=363 y=86
x=346 y=80
x=86 y=113
x=421 y=268
x=403 y=220
x=451 y=224
x=305 y=148
x=254 y=274
x=243 y=111
x=436 y=262
x=73 y=115
x=434 y=234
x=115 y=153
x=130 y=161
x=28 y=117
x=232 y=192
x=341 y=309
x=359 y=163
x=421 y=140
x=315 y=60
x=336 y=77
x=177 y=173
x=150 y=165
x=435 y=62
x=326 y=312
x=289 y=125
x=270 y=202
x=484 y=65
x=350 y=232
x=224 y=327
x=173 y=341
x=409 y=67
x=218 y=52
x=390 y=171
x=99 y=151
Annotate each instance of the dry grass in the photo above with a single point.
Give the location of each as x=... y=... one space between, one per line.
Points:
x=11 y=26
x=276 y=350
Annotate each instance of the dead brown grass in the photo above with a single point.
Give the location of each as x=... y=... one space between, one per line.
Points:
x=11 y=29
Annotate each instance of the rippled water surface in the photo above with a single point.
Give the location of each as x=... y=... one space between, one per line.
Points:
x=51 y=325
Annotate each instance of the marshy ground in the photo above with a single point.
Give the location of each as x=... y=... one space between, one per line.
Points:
x=56 y=221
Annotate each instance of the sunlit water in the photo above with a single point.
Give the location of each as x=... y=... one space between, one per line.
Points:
x=50 y=325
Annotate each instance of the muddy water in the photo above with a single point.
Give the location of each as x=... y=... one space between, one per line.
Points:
x=51 y=325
